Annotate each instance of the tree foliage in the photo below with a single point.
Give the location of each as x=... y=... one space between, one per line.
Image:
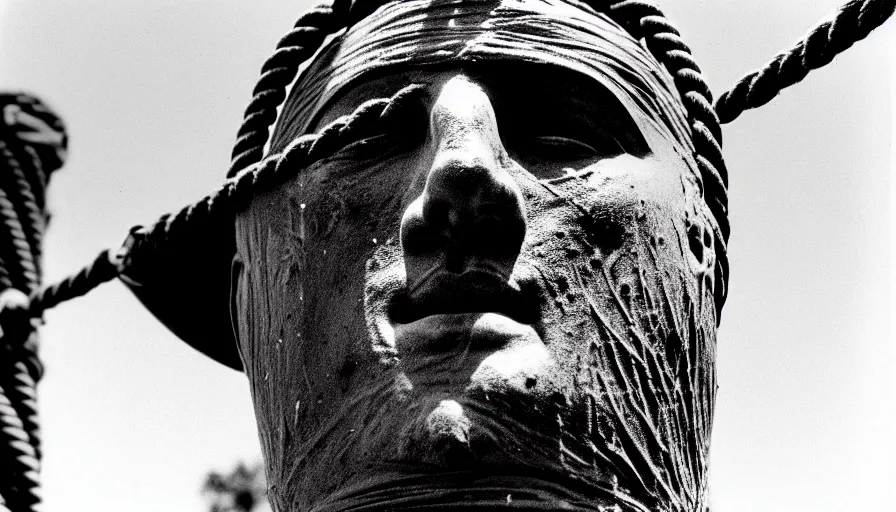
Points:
x=241 y=490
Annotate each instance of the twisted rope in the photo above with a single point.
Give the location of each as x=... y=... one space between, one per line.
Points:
x=32 y=144
x=640 y=18
x=277 y=73
x=377 y=116
x=20 y=460
x=17 y=244
x=23 y=217
x=645 y=21
x=248 y=174
x=851 y=23
x=103 y=268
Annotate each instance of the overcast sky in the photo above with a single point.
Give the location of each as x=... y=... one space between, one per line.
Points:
x=152 y=93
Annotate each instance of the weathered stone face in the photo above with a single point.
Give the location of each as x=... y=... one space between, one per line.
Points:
x=518 y=299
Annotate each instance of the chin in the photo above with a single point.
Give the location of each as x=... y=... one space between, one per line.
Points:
x=502 y=411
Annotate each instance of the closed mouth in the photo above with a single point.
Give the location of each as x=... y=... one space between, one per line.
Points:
x=468 y=292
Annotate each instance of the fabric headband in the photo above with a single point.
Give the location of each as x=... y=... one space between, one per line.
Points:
x=415 y=33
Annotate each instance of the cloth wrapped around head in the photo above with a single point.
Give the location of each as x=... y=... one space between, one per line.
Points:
x=425 y=33
x=415 y=35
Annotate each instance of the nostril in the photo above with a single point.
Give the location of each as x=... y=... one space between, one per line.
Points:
x=493 y=237
x=470 y=224
x=418 y=237
x=424 y=231
x=469 y=212
x=437 y=213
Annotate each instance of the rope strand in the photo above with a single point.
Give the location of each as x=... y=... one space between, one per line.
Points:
x=32 y=144
x=235 y=194
x=644 y=20
x=852 y=22
x=277 y=73
x=30 y=129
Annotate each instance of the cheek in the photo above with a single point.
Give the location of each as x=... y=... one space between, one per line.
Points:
x=343 y=216
x=614 y=204
x=612 y=251
x=350 y=203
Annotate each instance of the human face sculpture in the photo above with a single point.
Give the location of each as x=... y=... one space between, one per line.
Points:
x=512 y=304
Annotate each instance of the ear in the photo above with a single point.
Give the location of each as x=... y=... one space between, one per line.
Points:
x=237 y=296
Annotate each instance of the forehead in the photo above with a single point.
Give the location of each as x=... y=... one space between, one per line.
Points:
x=425 y=35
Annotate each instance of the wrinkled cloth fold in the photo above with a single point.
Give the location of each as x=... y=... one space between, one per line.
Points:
x=420 y=33
x=453 y=491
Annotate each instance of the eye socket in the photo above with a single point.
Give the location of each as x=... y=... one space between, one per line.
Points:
x=365 y=148
x=558 y=148
x=548 y=155
x=382 y=144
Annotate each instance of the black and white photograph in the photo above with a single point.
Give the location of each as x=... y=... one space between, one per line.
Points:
x=397 y=255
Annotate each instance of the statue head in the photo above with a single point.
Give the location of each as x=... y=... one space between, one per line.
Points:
x=512 y=296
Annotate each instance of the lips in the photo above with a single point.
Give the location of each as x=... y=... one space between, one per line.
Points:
x=473 y=291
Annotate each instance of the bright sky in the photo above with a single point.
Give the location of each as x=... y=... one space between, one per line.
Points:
x=153 y=92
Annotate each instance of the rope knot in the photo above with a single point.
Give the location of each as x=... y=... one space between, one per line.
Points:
x=121 y=258
x=15 y=316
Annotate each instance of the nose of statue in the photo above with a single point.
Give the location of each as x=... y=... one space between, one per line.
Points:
x=471 y=214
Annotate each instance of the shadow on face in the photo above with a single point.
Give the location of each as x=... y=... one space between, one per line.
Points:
x=512 y=288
